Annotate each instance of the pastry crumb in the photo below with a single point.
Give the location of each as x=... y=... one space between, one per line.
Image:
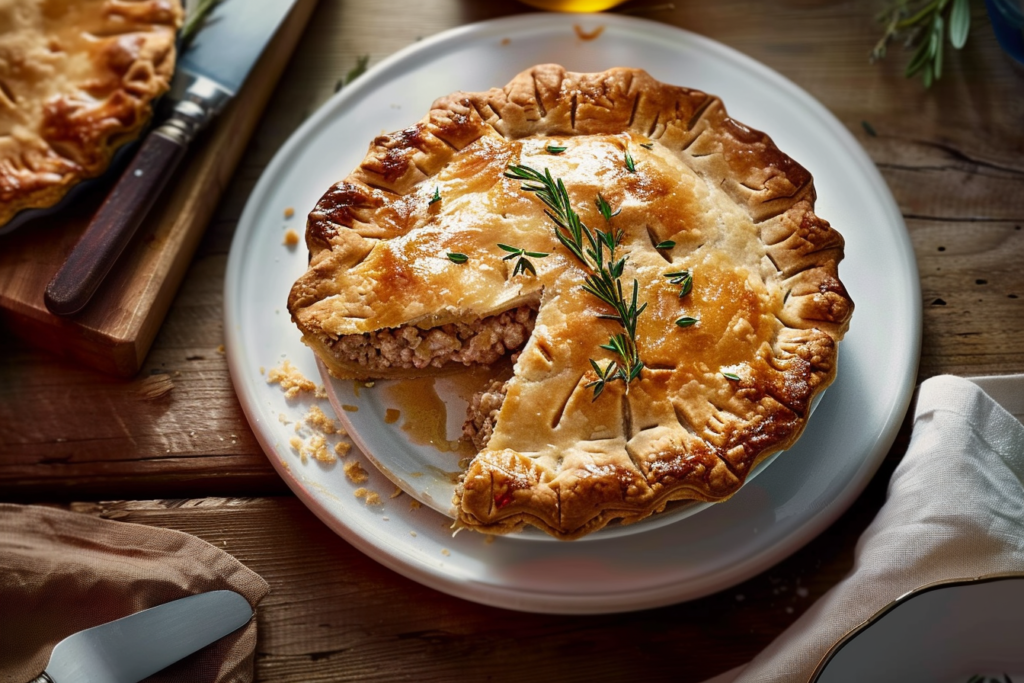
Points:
x=342 y=448
x=587 y=35
x=368 y=496
x=414 y=504
x=318 y=449
x=349 y=409
x=413 y=534
x=296 y=443
x=397 y=492
x=318 y=420
x=221 y=349
x=291 y=380
x=283 y=419
x=289 y=212
x=263 y=370
x=320 y=392
x=355 y=472
x=391 y=416
x=445 y=552
x=488 y=539
x=291 y=238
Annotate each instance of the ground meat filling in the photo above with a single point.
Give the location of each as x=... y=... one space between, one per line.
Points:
x=480 y=342
x=482 y=413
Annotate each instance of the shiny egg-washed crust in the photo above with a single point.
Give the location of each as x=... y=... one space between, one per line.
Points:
x=77 y=79
x=766 y=291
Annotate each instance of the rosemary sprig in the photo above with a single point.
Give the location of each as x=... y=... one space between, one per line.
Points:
x=647 y=145
x=195 y=20
x=456 y=257
x=605 y=208
x=667 y=244
x=605 y=271
x=437 y=196
x=683 y=278
x=523 y=264
x=555 y=149
x=925 y=26
x=630 y=164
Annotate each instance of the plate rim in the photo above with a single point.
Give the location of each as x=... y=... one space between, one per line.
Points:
x=444 y=579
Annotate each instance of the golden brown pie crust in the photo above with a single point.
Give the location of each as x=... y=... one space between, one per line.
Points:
x=77 y=79
x=766 y=291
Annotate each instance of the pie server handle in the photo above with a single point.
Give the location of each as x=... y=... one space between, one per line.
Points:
x=117 y=220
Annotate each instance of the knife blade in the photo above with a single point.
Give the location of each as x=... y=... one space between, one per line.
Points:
x=129 y=649
x=209 y=73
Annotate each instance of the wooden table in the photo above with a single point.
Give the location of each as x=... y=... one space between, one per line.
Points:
x=172 y=448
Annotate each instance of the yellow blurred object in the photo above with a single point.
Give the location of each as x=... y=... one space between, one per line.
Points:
x=573 y=5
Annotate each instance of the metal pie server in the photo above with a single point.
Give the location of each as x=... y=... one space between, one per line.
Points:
x=208 y=74
x=129 y=649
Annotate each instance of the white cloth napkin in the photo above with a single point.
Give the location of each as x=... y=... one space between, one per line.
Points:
x=954 y=510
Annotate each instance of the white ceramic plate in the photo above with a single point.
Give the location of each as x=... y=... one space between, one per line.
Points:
x=791 y=502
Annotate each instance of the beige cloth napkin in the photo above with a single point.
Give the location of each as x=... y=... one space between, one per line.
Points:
x=61 y=572
x=954 y=510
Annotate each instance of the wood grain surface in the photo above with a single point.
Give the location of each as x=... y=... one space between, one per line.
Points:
x=953 y=157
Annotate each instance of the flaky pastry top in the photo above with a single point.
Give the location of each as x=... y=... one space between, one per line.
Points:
x=714 y=398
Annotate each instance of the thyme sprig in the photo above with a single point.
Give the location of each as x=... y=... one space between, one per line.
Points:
x=595 y=249
x=925 y=26
x=523 y=264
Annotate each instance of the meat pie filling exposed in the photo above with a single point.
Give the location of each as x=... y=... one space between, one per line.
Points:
x=480 y=342
x=654 y=269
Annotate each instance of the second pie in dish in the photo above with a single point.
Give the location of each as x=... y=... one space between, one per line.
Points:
x=654 y=268
x=77 y=81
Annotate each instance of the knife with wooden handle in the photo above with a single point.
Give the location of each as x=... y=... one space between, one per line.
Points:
x=129 y=649
x=209 y=73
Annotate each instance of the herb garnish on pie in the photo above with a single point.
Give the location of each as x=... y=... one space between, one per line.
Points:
x=654 y=269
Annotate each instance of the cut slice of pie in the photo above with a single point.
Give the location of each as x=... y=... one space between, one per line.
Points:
x=737 y=307
x=77 y=80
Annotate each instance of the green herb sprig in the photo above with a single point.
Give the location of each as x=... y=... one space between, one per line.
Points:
x=925 y=25
x=683 y=278
x=523 y=264
x=595 y=249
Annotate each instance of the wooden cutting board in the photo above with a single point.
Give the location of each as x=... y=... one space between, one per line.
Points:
x=114 y=332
